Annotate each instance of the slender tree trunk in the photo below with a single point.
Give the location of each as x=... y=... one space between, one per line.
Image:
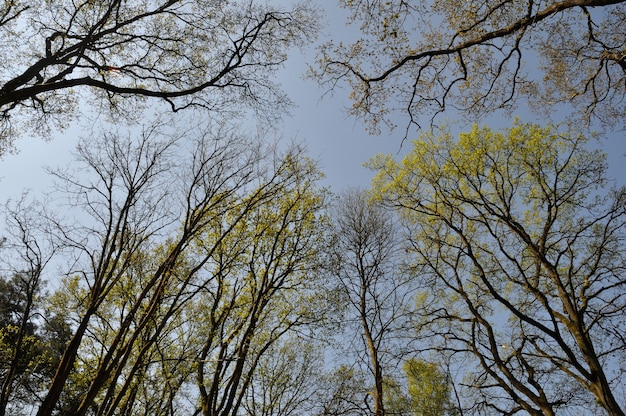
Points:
x=379 y=408
x=7 y=384
x=64 y=369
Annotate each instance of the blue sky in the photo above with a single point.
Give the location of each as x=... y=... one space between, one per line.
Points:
x=337 y=141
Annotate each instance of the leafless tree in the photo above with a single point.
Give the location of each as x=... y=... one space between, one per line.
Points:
x=368 y=270
x=27 y=360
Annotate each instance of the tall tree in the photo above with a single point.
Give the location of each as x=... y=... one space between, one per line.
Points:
x=479 y=56
x=256 y=289
x=217 y=55
x=519 y=238
x=366 y=264
x=31 y=340
x=158 y=235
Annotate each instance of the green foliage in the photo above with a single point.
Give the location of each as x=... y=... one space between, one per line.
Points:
x=426 y=393
x=429 y=388
x=518 y=239
x=29 y=350
x=32 y=342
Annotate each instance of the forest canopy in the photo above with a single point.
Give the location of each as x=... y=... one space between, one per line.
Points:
x=191 y=257
x=475 y=57
x=119 y=56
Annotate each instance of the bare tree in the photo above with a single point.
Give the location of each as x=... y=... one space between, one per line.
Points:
x=288 y=381
x=366 y=264
x=422 y=58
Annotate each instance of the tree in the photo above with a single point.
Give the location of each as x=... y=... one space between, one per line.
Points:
x=156 y=236
x=519 y=238
x=425 y=57
x=213 y=55
x=256 y=290
x=344 y=387
x=367 y=268
x=31 y=340
x=427 y=392
x=26 y=361
x=288 y=380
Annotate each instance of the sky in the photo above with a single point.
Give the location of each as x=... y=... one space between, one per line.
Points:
x=336 y=140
